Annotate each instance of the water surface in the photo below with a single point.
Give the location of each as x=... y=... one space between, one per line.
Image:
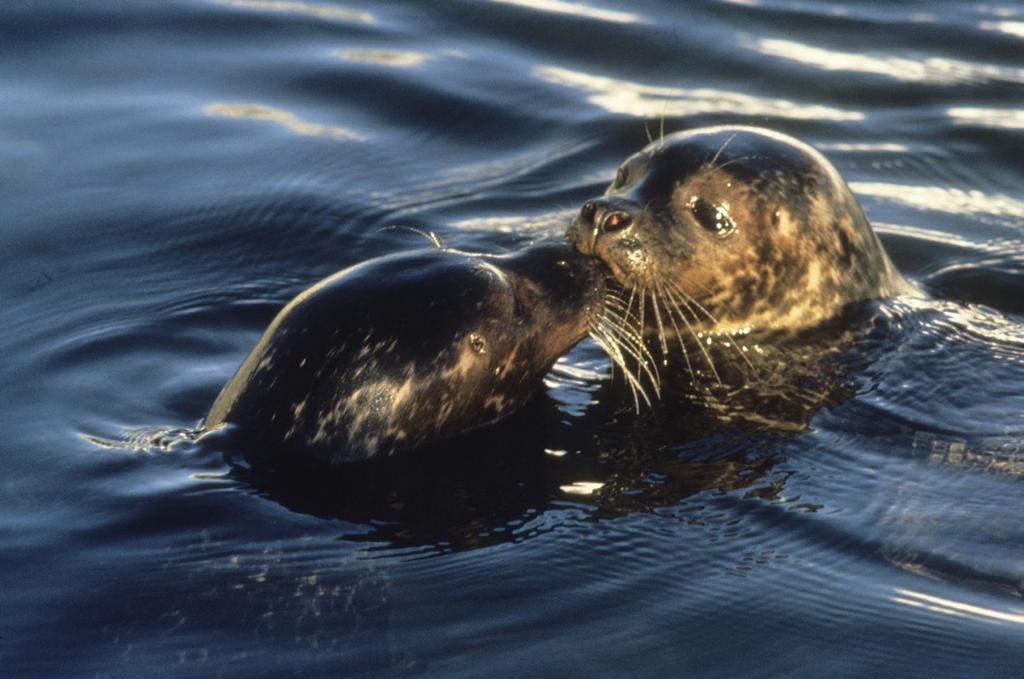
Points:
x=171 y=173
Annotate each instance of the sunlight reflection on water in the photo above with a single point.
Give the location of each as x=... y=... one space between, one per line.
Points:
x=933 y=70
x=326 y=11
x=285 y=119
x=649 y=101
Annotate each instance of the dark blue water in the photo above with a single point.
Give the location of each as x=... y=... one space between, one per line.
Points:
x=171 y=173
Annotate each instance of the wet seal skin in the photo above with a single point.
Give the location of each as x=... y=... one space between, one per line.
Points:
x=723 y=232
x=408 y=349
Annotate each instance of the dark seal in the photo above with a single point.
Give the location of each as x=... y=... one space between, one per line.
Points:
x=725 y=231
x=408 y=349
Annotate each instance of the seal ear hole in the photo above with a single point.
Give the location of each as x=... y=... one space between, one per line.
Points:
x=713 y=217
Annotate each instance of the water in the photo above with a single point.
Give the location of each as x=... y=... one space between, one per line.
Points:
x=171 y=173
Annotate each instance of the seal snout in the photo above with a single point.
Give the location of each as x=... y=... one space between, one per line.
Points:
x=604 y=216
x=597 y=217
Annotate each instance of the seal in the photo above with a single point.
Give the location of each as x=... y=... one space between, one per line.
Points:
x=408 y=349
x=724 y=231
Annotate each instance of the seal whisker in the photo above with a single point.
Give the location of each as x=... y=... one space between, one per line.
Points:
x=625 y=310
x=639 y=315
x=661 y=130
x=696 y=337
x=640 y=295
x=617 y=336
x=625 y=314
x=724 y=303
x=731 y=343
x=711 y=317
x=614 y=294
x=640 y=308
x=641 y=305
x=732 y=161
x=635 y=346
x=622 y=312
x=611 y=348
x=661 y=326
x=602 y=334
x=720 y=149
x=682 y=346
x=692 y=301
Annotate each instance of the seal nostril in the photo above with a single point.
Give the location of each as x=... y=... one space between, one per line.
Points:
x=588 y=211
x=616 y=220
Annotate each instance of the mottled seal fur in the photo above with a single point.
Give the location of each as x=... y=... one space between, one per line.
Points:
x=408 y=349
x=745 y=227
x=726 y=231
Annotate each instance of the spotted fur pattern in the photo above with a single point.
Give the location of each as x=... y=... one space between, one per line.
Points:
x=797 y=248
x=409 y=349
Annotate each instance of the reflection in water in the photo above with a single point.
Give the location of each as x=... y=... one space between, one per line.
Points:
x=1003 y=456
x=132 y=564
x=503 y=224
x=313 y=9
x=582 y=487
x=932 y=70
x=148 y=439
x=863 y=148
x=576 y=9
x=648 y=101
x=997 y=335
x=962 y=350
x=1014 y=28
x=575 y=378
x=459 y=183
x=1011 y=119
x=954 y=608
x=943 y=199
x=498 y=484
x=287 y=120
x=398 y=58
x=526 y=226
x=996 y=246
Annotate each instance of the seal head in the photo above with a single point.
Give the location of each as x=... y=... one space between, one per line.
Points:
x=408 y=349
x=734 y=229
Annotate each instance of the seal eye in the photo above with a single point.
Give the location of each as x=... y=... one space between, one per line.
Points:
x=621 y=177
x=477 y=344
x=714 y=218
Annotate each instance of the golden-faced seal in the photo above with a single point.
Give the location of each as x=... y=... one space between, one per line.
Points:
x=726 y=231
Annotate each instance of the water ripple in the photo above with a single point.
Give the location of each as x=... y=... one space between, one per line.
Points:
x=174 y=172
x=650 y=101
x=577 y=9
x=1009 y=119
x=285 y=119
x=318 y=10
x=932 y=70
x=956 y=201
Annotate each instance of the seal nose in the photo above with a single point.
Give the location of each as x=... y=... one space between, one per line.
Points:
x=595 y=218
x=603 y=216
